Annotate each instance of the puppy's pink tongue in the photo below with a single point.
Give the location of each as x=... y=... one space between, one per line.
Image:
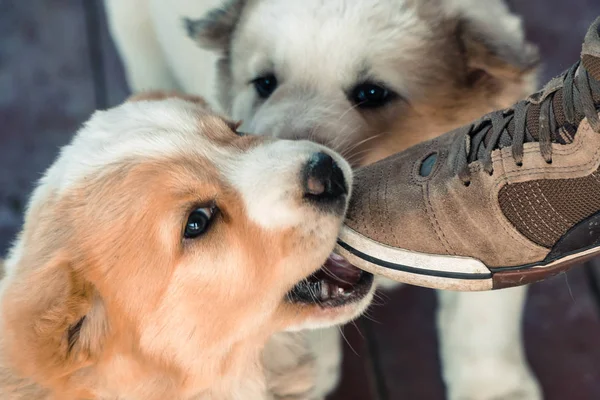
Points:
x=342 y=270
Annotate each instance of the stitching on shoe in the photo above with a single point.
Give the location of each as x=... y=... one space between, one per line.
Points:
x=534 y=222
x=518 y=213
x=505 y=223
x=508 y=227
x=372 y=199
x=416 y=167
x=542 y=220
x=513 y=232
x=539 y=223
x=556 y=213
x=563 y=149
x=385 y=203
x=503 y=179
x=382 y=228
x=435 y=223
x=542 y=171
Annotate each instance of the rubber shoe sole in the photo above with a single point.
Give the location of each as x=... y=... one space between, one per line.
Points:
x=448 y=272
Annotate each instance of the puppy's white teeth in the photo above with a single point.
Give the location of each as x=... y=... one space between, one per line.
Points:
x=338 y=291
x=334 y=290
x=324 y=291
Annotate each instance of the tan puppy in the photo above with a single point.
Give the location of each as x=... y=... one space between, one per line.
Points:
x=161 y=251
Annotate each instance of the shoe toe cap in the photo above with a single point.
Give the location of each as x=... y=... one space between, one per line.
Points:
x=389 y=206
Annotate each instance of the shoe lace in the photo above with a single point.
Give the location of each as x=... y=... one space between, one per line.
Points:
x=483 y=136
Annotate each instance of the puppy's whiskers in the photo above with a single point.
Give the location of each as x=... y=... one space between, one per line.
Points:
x=358 y=329
x=360 y=143
x=346 y=340
x=370 y=317
x=348 y=110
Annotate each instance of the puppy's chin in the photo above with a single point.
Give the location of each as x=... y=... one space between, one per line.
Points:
x=314 y=317
x=334 y=294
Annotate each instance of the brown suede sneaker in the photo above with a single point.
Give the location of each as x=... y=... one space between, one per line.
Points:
x=511 y=199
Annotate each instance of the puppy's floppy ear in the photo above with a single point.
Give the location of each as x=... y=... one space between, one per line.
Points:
x=493 y=40
x=501 y=57
x=54 y=321
x=214 y=30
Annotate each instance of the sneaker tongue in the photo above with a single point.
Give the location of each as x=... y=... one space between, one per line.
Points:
x=564 y=132
x=533 y=119
x=561 y=136
x=590 y=53
x=590 y=60
x=592 y=65
x=564 y=135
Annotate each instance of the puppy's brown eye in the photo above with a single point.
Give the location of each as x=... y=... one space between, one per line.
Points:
x=198 y=222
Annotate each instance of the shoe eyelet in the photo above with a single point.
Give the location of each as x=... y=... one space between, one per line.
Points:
x=428 y=165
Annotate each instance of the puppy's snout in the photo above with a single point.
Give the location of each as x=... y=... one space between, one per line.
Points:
x=323 y=178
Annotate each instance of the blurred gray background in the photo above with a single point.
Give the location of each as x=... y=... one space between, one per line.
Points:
x=58 y=64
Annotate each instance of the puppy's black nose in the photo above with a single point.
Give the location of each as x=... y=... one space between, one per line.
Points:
x=323 y=178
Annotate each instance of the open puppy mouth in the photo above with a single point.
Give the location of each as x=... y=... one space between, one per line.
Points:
x=335 y=284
